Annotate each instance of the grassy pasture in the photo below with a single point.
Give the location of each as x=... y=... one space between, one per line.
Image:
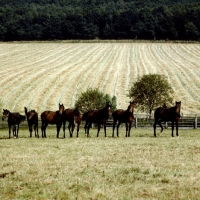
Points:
x=139 y=167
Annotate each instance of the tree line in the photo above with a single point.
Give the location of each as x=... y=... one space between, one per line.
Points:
x=99 y=19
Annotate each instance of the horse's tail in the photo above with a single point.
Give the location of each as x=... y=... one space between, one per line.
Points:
x=25 y=109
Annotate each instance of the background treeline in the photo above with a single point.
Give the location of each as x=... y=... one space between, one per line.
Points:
x=103 y=19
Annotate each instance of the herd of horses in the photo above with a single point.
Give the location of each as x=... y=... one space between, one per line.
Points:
x=99 y=117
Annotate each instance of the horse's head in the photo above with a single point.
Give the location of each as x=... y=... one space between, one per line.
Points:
x=5 y=114
x=61 y=109
x=131 y=106
x=178 y=107
x=108 y=108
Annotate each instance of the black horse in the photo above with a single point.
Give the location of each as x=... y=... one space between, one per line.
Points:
x=167 y=114
x=14 y=119
x=99 y=117
x=32 y=119
x=73 y=116
x=52 y=117
x=123 y=116
x=84 y=118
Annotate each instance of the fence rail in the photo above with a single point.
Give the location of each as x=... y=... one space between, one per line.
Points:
x=141 y=121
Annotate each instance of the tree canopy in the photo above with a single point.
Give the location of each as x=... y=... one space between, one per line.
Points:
x=151 y=91
x=103 y=19
x=94 y=99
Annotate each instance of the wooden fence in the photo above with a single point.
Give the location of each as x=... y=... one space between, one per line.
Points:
x=141 y=121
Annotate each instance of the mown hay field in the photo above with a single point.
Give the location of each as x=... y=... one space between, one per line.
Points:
x=41 y=75
x=139 y=167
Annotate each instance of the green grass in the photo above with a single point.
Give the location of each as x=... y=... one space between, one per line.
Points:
x=139 y=167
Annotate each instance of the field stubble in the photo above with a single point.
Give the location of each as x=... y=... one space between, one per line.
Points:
x=139 y=167
x=41 y=75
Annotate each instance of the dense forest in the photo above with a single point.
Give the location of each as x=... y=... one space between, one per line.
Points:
x=99 y=19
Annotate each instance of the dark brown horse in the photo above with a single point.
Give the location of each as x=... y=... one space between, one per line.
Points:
x=32 y=119
x=52 y=117
x=123 y=116
x=99 y=117
x=84 y=118
x=73 y=116
x=164 y=114
x=14 y=119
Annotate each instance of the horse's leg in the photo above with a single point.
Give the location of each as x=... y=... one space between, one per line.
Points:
x=58 y=126
x=118 y=128
x=126 y=129
x=69 y=126
x=129 y=128
x=42 y=129
x=172 y=128
x=99 y=126
x=78 y=125
x=36 y=130
x=9 y=130
x=161 y=127
x=73 y=126
x=17 y=130
x=114 y=123
x=71 y=129
x=104 y=125
x=154 y=127
x=88 y=128
x=45 y=126
x=85 y=127
x=30 y=129
x=64 y=123
x=177 y=128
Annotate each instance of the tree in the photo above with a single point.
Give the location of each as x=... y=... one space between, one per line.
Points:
x=94 y=99
x=151 y=91
x=191 y=31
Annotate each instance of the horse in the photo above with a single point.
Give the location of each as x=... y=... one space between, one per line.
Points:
x=14 y=119
x=123 y=116
x=167 y=114
x=32 y=119
x=52 y=117
x=99 y=117
x=84 y=118
x=73 y=116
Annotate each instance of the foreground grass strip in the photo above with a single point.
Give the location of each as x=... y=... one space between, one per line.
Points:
x=139 y=167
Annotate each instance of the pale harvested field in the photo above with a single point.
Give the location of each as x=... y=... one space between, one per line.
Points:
x=41 y=75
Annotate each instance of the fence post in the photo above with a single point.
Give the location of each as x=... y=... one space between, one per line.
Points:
x=195 y=122
x=136 y=121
